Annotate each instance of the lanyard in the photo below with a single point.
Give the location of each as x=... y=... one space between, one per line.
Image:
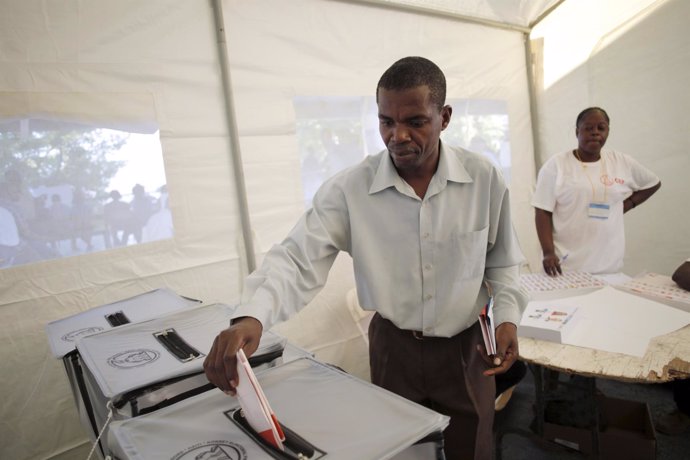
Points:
x=584 y=170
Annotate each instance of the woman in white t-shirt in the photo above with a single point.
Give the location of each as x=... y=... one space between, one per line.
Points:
x=580 y=199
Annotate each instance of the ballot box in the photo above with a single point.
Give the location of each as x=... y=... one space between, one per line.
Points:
x=64 y=333
x=142 y=367
x=326 y=412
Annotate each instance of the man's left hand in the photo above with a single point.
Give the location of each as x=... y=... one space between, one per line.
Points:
x=506 y=348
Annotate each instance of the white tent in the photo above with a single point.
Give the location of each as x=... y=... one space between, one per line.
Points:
x=223 y=99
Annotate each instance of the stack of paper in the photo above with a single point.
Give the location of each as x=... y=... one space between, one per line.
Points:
x=660 y=288
x=547 y=321
x=609 y=319
x=541 y=286
x=255 y=405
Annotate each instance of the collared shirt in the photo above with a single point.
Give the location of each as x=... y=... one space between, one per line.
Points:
x=420 y=263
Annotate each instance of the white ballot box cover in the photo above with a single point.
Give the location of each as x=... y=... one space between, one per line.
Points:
x=342 y=416
x=144 y=366
x=137 y=355
x=64 y=333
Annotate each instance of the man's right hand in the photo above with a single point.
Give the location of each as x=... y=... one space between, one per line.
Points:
x=220 y=364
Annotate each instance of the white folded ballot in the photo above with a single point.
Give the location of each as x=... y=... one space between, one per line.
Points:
x=546 y=320
x=255 y=406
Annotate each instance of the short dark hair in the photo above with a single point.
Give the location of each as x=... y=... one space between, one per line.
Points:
x=588 y=110
x=414 y=71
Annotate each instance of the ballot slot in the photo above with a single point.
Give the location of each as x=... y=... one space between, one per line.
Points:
x=117 y=318
x=296 y=447
x=176 y=345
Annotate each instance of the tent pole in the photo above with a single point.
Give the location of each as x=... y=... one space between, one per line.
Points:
x=531 y=89
x=235 y=153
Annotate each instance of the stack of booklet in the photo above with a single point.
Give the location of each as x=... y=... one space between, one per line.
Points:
x=547 y=321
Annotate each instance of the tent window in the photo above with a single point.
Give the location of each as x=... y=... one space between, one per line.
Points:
x=69 y=188
x=336 y=132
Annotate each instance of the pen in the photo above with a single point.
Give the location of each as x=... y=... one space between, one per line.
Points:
x=563 y=258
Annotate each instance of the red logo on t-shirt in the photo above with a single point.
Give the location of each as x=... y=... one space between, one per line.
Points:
x=607 y=181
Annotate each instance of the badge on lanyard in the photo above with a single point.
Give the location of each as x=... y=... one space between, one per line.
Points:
x=598 y=211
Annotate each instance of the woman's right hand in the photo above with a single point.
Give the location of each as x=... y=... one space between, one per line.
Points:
x=552 y=265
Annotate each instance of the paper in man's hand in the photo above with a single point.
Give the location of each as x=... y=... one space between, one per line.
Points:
x=255 y=406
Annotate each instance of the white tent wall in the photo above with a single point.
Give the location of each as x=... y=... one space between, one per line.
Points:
x=165 y=52
x=279 y=50
x=633 y=59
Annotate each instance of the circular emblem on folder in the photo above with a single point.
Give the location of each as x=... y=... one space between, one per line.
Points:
x=133 y=358
x=74 y=335
x=213 y=450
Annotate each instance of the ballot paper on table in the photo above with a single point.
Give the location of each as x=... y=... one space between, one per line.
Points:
x=660 y=288
x=541 y=286
x=547 y=320
x=615 y=321
x=255 y=406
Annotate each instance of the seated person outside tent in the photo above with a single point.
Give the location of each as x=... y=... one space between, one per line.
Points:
x=28 y=246
x=142 y=208
x=118 y=219
x=419 y=263
x=678 y=420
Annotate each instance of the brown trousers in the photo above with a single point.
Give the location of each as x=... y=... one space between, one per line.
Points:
x=444 y=374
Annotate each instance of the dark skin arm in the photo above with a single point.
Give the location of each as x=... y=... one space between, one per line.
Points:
x=506 y=349
x=682 y=276
x=220 y=364
x=638 y=197
x=544 y=223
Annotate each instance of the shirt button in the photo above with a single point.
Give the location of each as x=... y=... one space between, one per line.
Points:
x=427 y=297
x=427 y=267
x=425 y=235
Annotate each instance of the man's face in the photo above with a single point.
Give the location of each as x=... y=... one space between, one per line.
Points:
x=410 y=126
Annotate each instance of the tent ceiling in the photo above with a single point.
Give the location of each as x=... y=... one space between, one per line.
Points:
x=518 y=14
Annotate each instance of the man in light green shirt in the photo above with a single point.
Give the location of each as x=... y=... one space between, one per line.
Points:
x=428 y=227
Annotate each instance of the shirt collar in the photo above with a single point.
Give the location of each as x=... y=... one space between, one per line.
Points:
x=450 y=168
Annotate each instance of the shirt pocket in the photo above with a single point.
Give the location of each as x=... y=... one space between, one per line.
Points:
x=468 y=253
